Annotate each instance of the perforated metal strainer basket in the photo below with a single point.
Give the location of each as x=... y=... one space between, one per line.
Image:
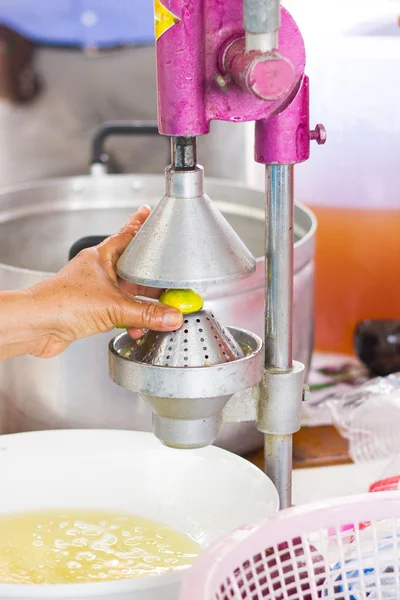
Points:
x=202 y=341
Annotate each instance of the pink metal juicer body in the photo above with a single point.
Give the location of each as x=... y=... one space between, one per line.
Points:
x=205 y=74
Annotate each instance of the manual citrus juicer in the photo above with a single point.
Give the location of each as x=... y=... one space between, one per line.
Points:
x=233 y=61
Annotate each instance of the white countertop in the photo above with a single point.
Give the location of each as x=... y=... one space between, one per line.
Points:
x=322 y=483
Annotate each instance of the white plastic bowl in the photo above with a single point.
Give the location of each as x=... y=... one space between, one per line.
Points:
x=204 y=493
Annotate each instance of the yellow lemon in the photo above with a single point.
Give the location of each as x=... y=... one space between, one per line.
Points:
x=186 y=301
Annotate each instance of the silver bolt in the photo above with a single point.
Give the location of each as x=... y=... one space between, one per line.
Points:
x=318 y=134
x=223 y=83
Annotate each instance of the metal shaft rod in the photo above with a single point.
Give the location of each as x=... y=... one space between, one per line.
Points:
x=279 y=266
x=184 y=152
x=278 y=458
x=261 y=20
x=279 y=216
x=261 y=16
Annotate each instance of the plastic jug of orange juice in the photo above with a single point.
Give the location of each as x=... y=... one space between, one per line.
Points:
x=353 y=182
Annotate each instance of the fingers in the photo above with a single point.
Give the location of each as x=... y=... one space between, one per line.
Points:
x=136 y=220
x=139 y=290
x=136 y=334
x=140 y=314
x=112 y=248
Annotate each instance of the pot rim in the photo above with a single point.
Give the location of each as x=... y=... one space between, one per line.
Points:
x=77 y=181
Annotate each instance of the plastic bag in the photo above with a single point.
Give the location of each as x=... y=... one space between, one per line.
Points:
x=369 y=417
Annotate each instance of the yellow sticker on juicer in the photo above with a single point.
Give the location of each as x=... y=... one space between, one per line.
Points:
x=164 y=19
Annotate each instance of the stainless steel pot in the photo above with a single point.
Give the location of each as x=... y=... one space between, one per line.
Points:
x=38 y=225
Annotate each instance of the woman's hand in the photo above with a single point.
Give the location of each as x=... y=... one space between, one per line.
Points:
x=84 y=298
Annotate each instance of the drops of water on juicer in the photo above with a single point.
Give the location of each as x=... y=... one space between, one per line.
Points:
x=75 y=546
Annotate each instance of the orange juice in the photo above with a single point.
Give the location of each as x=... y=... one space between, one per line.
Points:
x=357 y=272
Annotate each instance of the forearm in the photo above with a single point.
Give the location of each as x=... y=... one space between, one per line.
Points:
x=85 y=298
x=19 y=333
